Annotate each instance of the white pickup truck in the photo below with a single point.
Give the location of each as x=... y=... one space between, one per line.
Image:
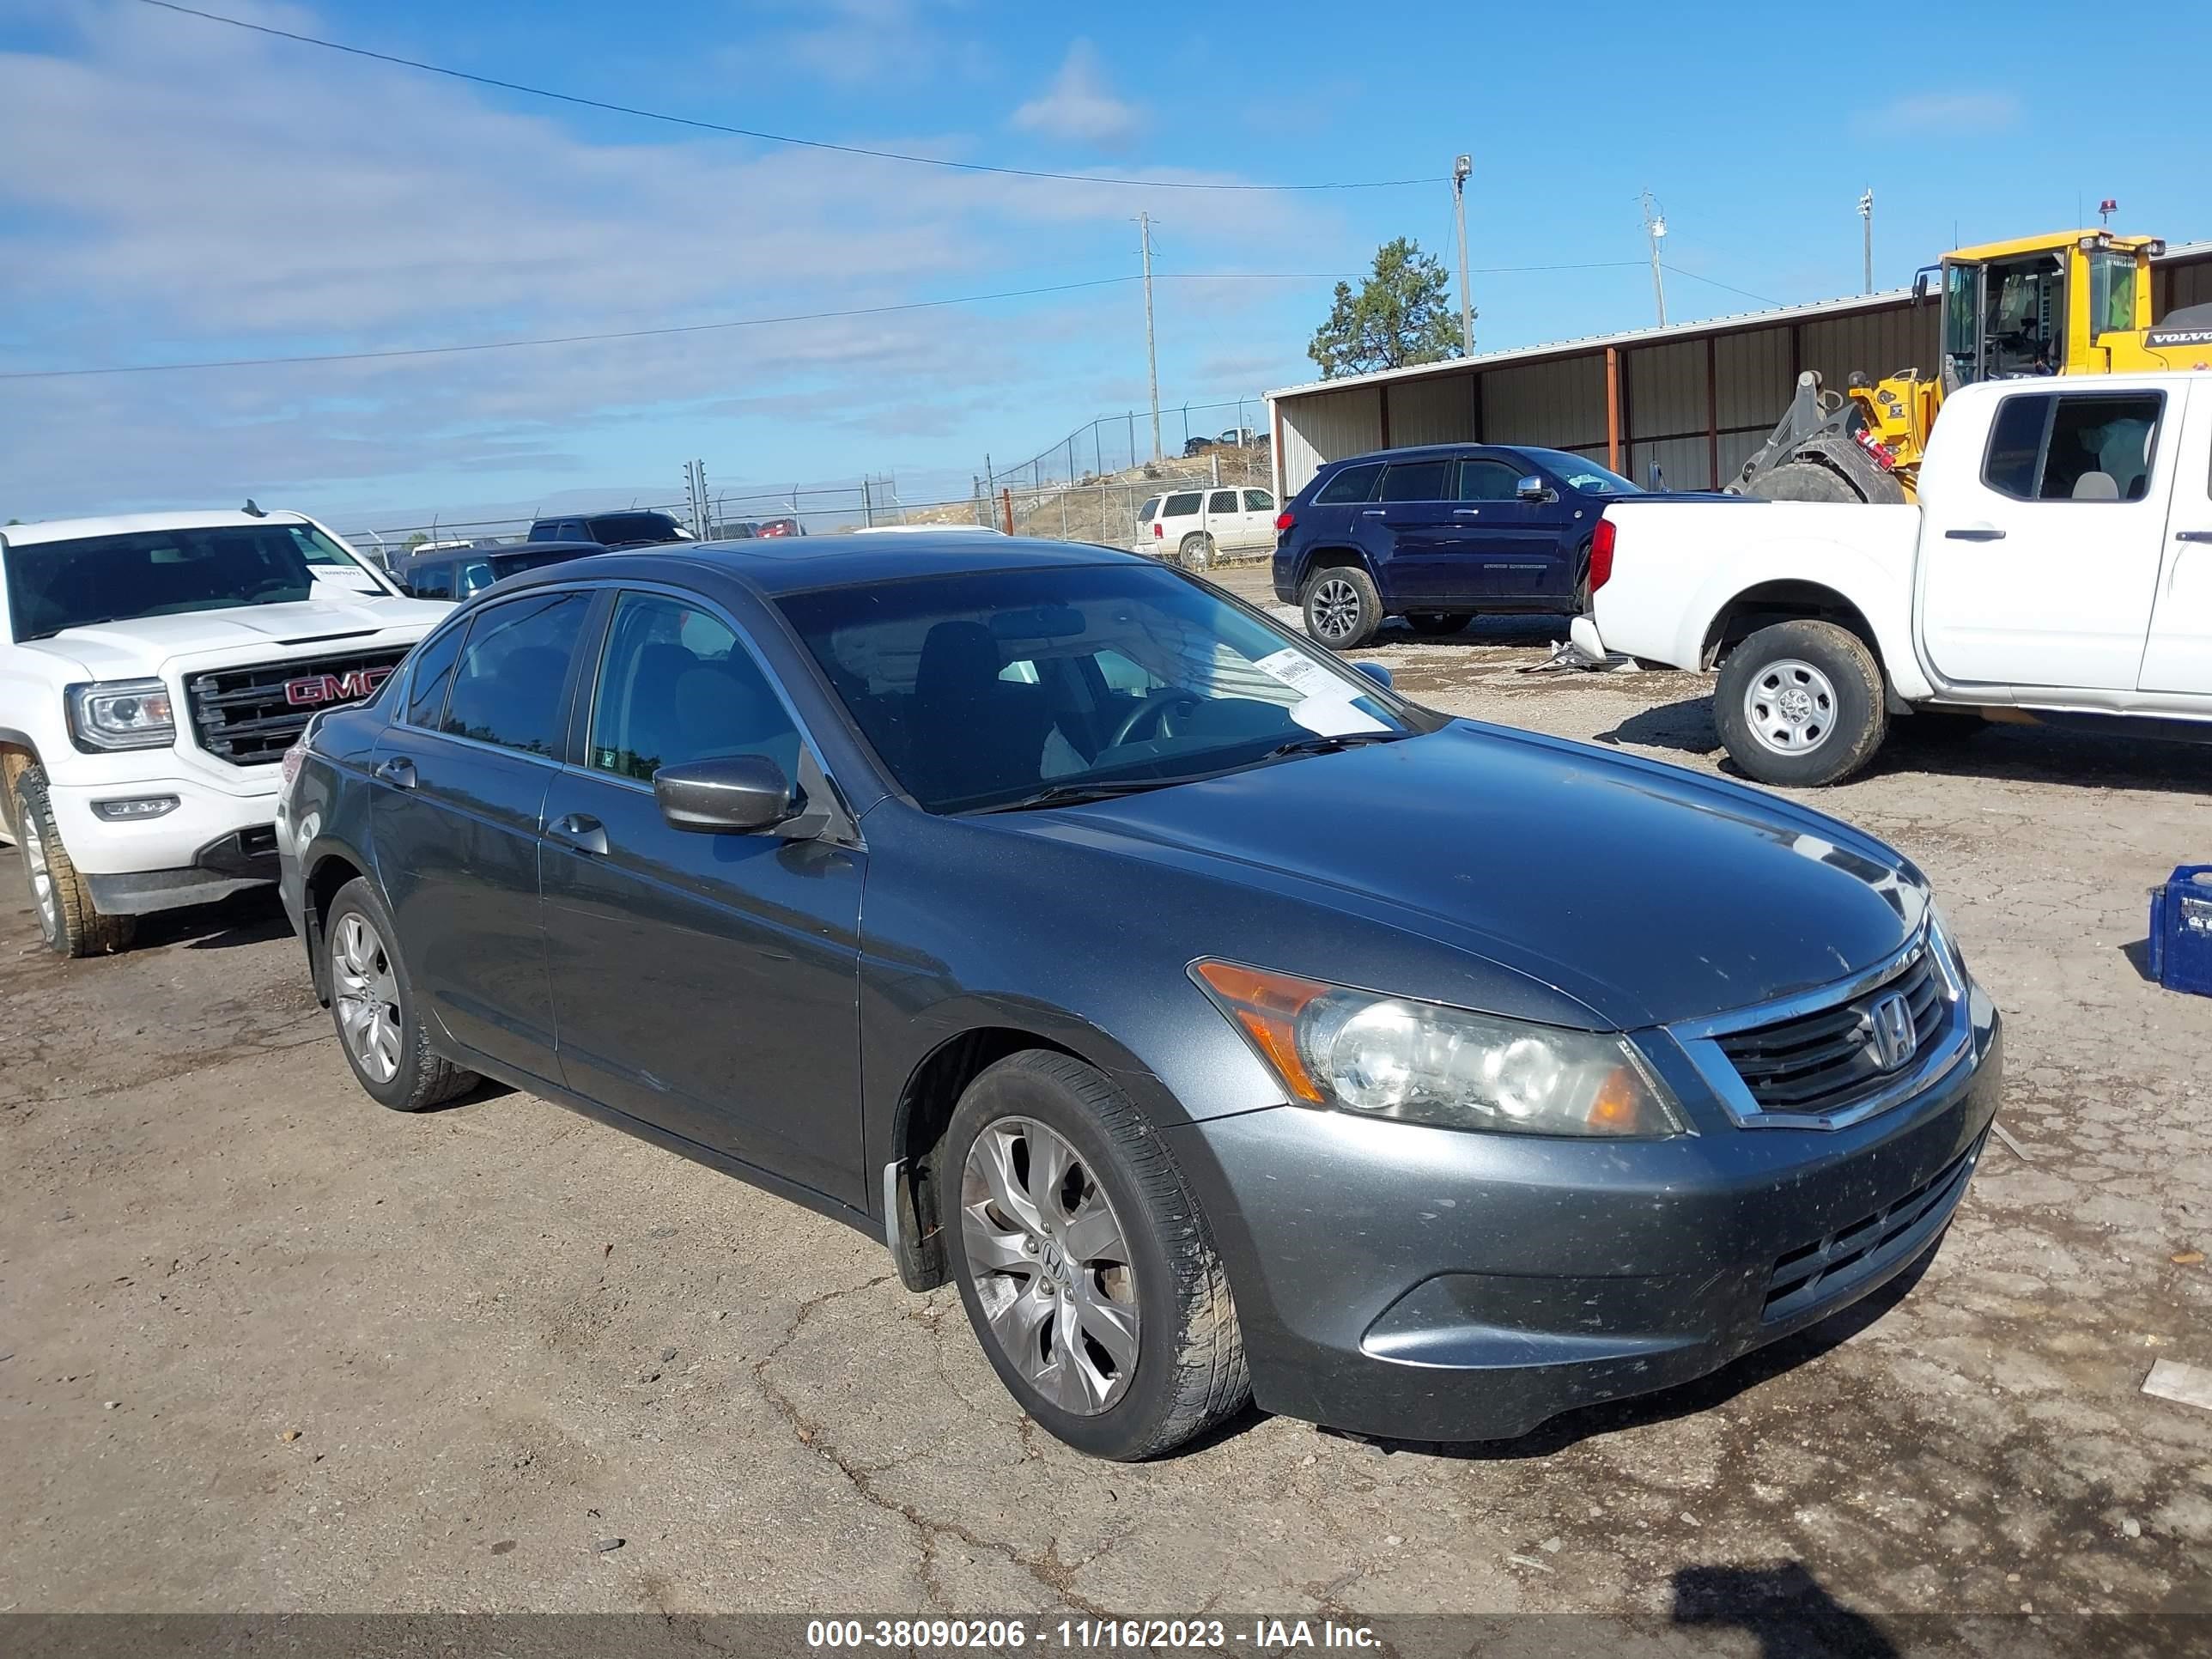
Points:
x=153 y=671
x=2058 y=567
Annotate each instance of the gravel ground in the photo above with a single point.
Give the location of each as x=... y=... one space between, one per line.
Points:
x=266 y=1345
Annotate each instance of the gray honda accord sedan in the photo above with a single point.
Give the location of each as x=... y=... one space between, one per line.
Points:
x=1222 y=1023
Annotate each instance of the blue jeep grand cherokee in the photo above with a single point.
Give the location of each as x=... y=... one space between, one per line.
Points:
x=1436 y=535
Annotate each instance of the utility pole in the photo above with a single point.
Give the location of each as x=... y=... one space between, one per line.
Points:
x=1461 y=168
x=1866 y=213
x=1655 y=228
x=1151 y=357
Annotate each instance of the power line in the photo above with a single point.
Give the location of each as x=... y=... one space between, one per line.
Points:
x=1762 y=298
x=387 y=354
x=750 y=133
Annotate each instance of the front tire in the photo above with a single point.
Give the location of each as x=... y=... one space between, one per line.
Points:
x=373 y=1006
x=1342 y=609
x=1800 y=704
x=1086 y=1266
x=68 y=921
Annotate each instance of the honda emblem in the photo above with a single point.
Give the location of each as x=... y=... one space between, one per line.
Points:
x=1889 y=1031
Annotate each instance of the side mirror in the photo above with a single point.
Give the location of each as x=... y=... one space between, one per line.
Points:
x=1533 y=488
x=741 y=795
x=1376 y=672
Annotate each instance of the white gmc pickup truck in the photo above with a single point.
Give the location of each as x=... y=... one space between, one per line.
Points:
x=2058 y=567
x=153 y=671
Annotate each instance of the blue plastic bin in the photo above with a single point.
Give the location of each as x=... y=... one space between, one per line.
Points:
x=2181 y=931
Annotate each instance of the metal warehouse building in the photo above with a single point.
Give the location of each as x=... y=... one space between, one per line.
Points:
x=1694 y=398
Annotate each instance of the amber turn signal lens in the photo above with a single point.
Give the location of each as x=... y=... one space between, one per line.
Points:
x=1266 y=1008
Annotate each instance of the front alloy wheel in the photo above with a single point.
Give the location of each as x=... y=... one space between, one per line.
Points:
x=1051 y=1266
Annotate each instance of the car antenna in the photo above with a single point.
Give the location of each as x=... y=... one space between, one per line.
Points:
x=251 y=511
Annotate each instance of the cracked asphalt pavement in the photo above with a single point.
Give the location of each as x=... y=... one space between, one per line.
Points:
x=266 y=1345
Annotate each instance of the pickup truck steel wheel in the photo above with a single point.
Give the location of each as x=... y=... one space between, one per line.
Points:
x=1196 y=552
x=1342 y=608
x=373 y=1005
x=68 y=922
x=1800 y=703
x=1086 y=1265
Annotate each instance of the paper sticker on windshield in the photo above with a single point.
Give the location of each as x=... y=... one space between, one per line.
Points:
x=1325 y=701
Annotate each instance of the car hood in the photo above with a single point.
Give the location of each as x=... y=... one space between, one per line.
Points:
x=334 y=621
x=1645 y=893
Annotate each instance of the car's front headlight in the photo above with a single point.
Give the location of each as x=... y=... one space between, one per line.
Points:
x=1424 y=1062
x=121 y=714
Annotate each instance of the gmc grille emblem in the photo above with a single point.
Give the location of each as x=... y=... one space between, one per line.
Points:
x=313 y=690
x=1889 y=1032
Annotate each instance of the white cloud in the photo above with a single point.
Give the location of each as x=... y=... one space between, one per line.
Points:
x=176 y=190
x=1948 y=112
x=855 y=43
x=1079 y=108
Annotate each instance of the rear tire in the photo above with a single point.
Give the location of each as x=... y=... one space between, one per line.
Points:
x=1342 y=608
x=1070 y=1223
x=1434 y=624
x=1800 y=704
x=68 y=921
x=1801 y=481
x=1196 y=552
x=373 y=1006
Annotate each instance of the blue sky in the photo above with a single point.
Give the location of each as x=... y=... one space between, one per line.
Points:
x=177 y=189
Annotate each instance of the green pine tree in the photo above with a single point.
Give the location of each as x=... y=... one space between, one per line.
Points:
x=1402 y=314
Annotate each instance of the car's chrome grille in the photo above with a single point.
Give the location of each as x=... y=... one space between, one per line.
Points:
x=1824 y=1060
x=1829 y=1267
x=249 y=716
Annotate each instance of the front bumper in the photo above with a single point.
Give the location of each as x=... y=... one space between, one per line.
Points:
x=230 y=864
x=1432 y=1285
x=213 y=842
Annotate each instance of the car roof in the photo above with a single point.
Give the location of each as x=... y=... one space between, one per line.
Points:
x=1425 y=452
x=71 y=530
x=506 y=549
x=777 y=566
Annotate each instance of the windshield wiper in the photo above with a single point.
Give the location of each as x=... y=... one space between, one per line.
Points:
x=1074 y=794
x=1322 y=744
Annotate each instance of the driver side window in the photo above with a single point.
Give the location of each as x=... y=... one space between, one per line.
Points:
x=1489 y=481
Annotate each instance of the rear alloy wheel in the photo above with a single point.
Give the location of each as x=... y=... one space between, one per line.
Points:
x=373 y=1005
x=1196 y=552
x=1086 y=1265
x=1342 y=609
x=1800 y=704
x=1436 y=623
x=68 y=921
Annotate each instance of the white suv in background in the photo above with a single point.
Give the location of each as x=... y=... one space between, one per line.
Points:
x=1192 y=525
x=153 y=671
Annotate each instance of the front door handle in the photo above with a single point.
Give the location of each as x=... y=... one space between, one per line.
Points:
x=1372 y=513
x=398 y=772
x=1975 y=532
x=581 y=832
x=2193 y=535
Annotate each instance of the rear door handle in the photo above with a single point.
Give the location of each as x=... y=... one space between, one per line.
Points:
x=398 y=772
x=1975 y=532
x=2193 y=535
x=581 y=831
x=1467 y=513
x=1371 y=513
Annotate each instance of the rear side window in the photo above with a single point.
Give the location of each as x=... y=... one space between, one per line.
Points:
x=1355 y=483
x=1145 y=512
x=1179 y=507
x=507 y=683
x=1415 y=481
x=2073 y=447
x=1221 y=500
x=427 y=678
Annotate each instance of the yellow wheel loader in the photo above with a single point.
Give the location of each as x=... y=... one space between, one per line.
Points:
x=2072 y=302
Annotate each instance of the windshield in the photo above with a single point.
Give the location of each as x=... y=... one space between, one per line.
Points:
x=54 y=586
x=637 y=529
x=1579 y=472
x=983 y=689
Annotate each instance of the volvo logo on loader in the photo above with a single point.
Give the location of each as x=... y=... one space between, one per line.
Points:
x=313 y=690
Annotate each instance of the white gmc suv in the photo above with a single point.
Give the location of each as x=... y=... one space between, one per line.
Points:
x=153 y=671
